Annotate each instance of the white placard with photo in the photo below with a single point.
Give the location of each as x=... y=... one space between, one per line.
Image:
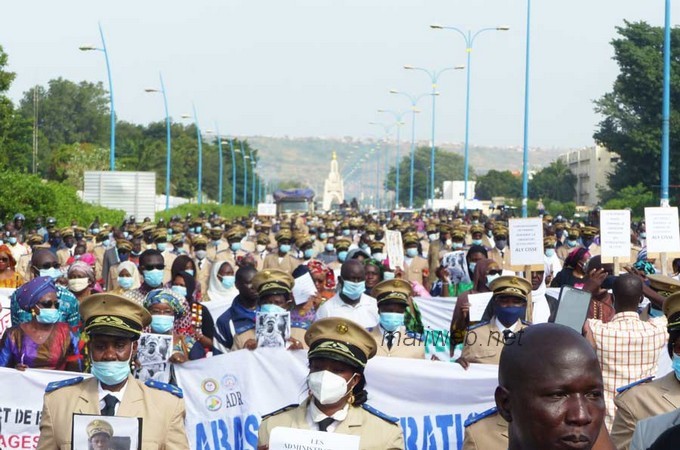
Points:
x=395 y=249
x=526 y=242
x=615 y=233
x=457 y=267
x=663 y=235
x=272 y=329
x=284 y=438
x=266 y=209
x=153 y=355
x=303 y=288
x=107 y=432
x=478 y=304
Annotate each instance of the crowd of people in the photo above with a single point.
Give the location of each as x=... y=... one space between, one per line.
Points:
x=84 y=295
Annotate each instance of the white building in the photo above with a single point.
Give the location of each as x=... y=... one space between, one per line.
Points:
x=591 y=166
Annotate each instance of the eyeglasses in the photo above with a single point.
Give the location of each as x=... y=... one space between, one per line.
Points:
x=48 y=305
x=495 y=272
x=4 y=259
x=48 y=265
x=154 y=266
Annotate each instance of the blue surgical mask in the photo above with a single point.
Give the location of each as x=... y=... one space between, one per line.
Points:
x=411 y=252
x=49 y=316
x=199 y=229
x=345 y=232
x=161 y=246
x=235 y=246
x=52 y=272
x=95 y=230
x=106 y=242
x=391 y=321
x=111 y=373
x=676 y=366
x=509 y=314
x=571 y=243
x=153 y=278
x=363 y=246
x=342 y=256
x=457 y=245
x=472 y=266
x=309 y=253
x=123 y=257
x=270 y=308
x=549 y=252
x=643 y=235
x=125 y=282
x=161 y=323
x=388 y=276
x=323 y=235
x=353 y=289
x=490 y=278
x=190 y=272
x=378 y=256
x=228 y=281
x=180 y=290
x=329 y=247
x=476 y=242
x=284 y=248
x=169 y=231
x=12 y=240
x=126 y=234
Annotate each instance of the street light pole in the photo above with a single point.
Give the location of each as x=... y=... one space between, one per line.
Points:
x=252 y=173
x=233 y=172
x=112 y=150
x=666 y=113
x=221 y=159
x=469 y=39
x=434 y=79
x=168 y=141
x=398 y=119
x=525 y=157
x=245 y=175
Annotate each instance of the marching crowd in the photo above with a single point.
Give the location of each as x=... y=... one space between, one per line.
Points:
x=84 y=295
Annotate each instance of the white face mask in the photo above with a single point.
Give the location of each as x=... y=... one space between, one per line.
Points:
x=78 y=284
x=449 y=242
x=327 y=387
x=260 y=248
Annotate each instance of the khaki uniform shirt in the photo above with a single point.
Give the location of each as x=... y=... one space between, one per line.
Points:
x=404 y=344
x=489 y=433
x=98 y=252
x=288 y=263
x=417 y=270
x=213 y=249
x=640 y=402
x=564 y=251
x=162 y=414
x=502 y=259
x=203 y=274
x=484 y=342
x=375 y=432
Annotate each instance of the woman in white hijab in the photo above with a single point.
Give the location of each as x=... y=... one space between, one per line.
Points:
x=221 y=288
x=544 y=307
x=128 y=277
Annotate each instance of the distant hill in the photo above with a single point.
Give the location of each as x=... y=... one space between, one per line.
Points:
x=307 y=159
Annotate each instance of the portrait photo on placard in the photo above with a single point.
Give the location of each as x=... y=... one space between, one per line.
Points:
x=456 y=266
x=272 y=329
x=153 y=354
x=106 y=432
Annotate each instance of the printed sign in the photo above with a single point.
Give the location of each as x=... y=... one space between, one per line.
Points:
x=395 y=249
x=266 y=209
x=663 y=235
x=526 y=242
x=615 y=233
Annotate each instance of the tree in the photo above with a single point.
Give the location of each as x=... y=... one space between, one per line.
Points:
x=632 y=110
x=448 y=167
x=15 y=131
x=498 y=184
x=633 y=197
x=555 y=182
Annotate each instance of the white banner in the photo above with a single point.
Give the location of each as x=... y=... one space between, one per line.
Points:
x=21 y=405
x=5 y=314
x=437 y=312
x=226 y=395
x=395 y=249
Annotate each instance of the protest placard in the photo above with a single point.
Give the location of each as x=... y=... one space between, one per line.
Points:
x=526 y=242
x=395 y=249
x=284 y=438
x=615 y=235
x=663 y=235
x=266 y=209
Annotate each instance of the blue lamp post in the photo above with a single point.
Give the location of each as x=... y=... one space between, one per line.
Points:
x=233 y=172
x=199 y=196
x=221 y=159
x=666 y=108
x=245 y=175
x=252 y=176
x=386 y=128
x=168 y=140
x=414 y=102
x=112 y=151
x=434 y=78
x=398 y=122
x=469 y=39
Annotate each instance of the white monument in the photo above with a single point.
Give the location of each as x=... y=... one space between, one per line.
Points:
x=333 y=189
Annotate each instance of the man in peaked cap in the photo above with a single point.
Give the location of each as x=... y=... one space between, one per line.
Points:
x=391 y=336
x=570 y=243
x=501 y=251
x=338 y=351
x=99 y=434
x=415 y=266
x=113 y=324
x=68 y=246
x=233 y=250
x=216 y=244
x=485 y=340
x=283 y=259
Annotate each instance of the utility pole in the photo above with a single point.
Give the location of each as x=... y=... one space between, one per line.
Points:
x=35 y=130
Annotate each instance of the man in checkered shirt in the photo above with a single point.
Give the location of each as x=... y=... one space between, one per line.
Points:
x=627 y=347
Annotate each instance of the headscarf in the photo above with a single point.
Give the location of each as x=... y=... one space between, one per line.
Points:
x=180 y=264
x=216 y=290
x=574 y=257
x=316 y=267
x=88 y=258
x=82 y=267
x=166 y=296
x=6 y=250
x=541 y=309
x=134 y=272
x=30 y=293
x=189 y=283
x=375 y=263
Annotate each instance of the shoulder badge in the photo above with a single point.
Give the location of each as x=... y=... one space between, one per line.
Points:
x=623 y=389
x=380 y=414
x=474 y=418
x=174 y=390
x=480 y=324
x=53 y=386
x=282 y=410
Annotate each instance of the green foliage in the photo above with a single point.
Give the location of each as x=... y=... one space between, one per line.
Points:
x=34 y=197
x=634 y=197
x=498 y=184
x=448 y=167
x=15 y=131
x=555 y=182
x=226 y=211
x=632 y=110
x=290 y=184
x=69 y=162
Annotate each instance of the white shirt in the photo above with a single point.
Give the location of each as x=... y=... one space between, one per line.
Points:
x=315 y=415
x=502 y=327
x=365 y=312
x=103 y=393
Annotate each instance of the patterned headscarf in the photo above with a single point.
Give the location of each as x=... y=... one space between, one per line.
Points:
x=5 y=249
x=165 y=296
x=29 y=294
x=316 y=267
x=83 y=267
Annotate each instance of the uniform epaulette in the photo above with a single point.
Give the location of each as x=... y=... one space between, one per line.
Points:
x=282 y=410
x=380 y=414
x=474 y=327
x=628 y=386
x=474 y=418
x=54 y=385
x=174 y=390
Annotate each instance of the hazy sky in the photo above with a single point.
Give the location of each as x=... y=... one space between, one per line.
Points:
x=323 y=67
